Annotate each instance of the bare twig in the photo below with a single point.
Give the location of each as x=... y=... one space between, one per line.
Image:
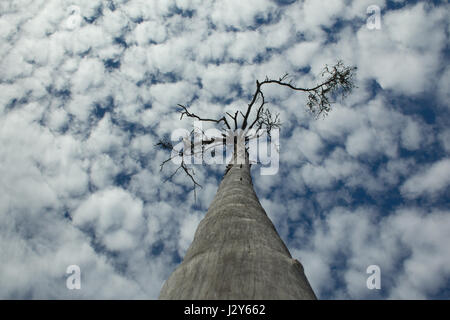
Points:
x=164 y=144
x=192 y=115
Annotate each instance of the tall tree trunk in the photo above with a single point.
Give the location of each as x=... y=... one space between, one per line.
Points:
x=236 y=252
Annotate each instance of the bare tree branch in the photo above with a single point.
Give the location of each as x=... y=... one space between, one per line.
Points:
x=260 y=109
x=234 y=119
x=192 y=115
x=339 y=80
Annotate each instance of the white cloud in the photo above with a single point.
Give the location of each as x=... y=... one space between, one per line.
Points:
x=429 y=182
x=14 y=66
x=246 y=46
x=361 y=142
x=412 y=135
x=443 y=84
x=303 y=53
x=404 y=55
x=307 y=144
x=239 y=14
x=89 y=75
x=103 y=171
x=407 y=26
x=57 y=119
x=318 y=14
x=179 y=91
x=115 y=216
x=150 y=31
x=217 y=80
x=114 y=22
x=105 y=137
x=444 y=138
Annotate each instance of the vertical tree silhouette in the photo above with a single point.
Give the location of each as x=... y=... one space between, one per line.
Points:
x=236 y=252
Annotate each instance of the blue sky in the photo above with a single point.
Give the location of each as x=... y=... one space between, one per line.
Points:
x=87 y=88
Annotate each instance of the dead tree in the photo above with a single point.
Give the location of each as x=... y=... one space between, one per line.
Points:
x=236 y=252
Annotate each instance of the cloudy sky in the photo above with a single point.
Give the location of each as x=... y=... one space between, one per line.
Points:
x=88 y=86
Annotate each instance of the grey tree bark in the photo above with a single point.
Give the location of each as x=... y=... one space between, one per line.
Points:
x=236 y=252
